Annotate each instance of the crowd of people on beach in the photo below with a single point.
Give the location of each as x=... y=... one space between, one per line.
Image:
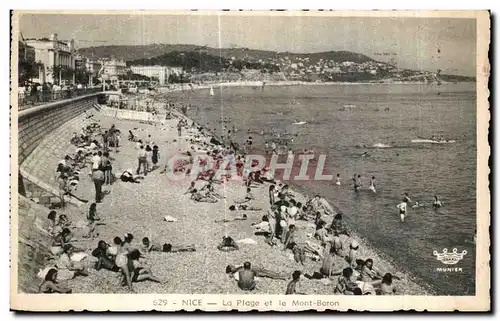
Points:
x=283 y=223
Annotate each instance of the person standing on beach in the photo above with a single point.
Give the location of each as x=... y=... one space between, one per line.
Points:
x=179 y=127
x=141 y=158
x=337 y=181
x=98 y=179
x=156 y=155
x=149 y=158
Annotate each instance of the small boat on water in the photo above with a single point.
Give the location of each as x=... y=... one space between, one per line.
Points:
x=299 y=122
x=431 y=141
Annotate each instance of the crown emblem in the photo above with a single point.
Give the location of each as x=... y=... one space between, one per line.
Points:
x=450 y=258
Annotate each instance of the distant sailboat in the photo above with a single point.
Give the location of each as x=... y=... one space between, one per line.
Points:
x=212 y=91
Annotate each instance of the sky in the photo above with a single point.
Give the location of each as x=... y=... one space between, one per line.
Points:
x=448 y=44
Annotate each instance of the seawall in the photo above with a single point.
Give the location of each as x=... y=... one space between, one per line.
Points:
x=35 y=123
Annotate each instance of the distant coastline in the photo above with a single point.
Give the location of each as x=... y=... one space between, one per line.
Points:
x=178 y=87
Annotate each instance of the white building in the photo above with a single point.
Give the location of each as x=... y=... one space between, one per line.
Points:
x=52 y=52
x=114 y=68
x=159 y=72
x=93 y=66
x=162 y=73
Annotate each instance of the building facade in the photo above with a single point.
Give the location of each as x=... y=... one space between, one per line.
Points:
x=93 y=66
x=159 y=72
x=114 y=68
x=52 y=52
x=162 y=73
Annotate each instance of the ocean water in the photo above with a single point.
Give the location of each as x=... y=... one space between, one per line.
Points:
x=422 y=170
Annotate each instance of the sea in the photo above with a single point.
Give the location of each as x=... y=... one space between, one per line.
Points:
x=344 y=122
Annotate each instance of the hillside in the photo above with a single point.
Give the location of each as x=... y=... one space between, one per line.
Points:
x=131 y=53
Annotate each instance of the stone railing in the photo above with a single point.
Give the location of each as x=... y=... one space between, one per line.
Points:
x=30 y=100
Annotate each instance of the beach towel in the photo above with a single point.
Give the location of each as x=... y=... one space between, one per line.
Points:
x=77 y=257
x=43 y=272
x=366 y=287
x=169 y=218
x=246 y=241
x=236 y=276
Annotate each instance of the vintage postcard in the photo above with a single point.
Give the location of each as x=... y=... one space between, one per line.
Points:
x=250 y=160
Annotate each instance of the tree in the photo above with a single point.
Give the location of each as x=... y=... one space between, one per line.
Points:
x=27 y=70
x=63 y=71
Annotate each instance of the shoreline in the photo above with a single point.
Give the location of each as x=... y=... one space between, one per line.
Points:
x=177 y=88
x=381 y=258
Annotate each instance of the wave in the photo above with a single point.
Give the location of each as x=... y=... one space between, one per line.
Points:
x=381 y=145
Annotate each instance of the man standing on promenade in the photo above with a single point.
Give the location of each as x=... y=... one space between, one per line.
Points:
x=141 y=158
x=98 y=178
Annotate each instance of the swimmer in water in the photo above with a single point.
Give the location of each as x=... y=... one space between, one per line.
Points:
x=437 y=202
x=337 y=181
x=357 y=183
x=406 y=198
x=402 y=210
x=372 y=185
x=365 y=154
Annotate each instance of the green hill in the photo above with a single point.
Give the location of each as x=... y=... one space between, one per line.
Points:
x=132 y=53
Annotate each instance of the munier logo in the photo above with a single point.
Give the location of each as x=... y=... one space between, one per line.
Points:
x=450 y=258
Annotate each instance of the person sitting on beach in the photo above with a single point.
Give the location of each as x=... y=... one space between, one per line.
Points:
x=386 y=286
x=437 y=202
x=246 y=277
x=66 y=268
x=104 y=257
x=321 y=232
x=337 y=225
x=368 y=273
x=238 y=218
x=210 y=190
x=291 y=288
x=198 y=197
x=330 y=266
x=50 y=285
x=259 y=272
x=346 y=283
x=92 y=217
x=227 y=244
x=60 y=240
x=52 y=225
x=149 y=246
x=139 y=272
